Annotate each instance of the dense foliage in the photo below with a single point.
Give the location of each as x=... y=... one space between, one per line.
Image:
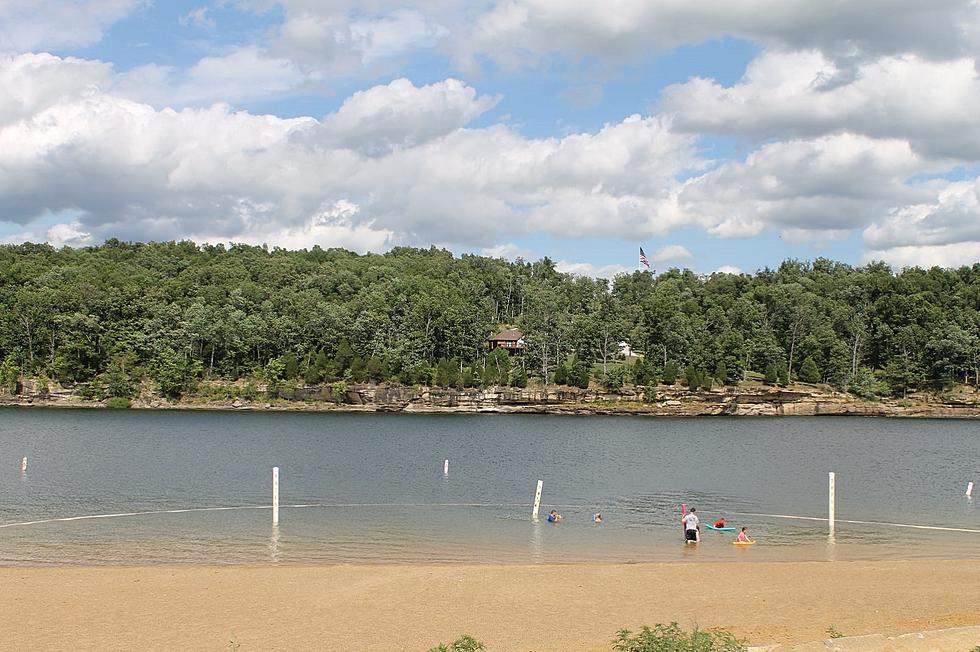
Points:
x=111 y=315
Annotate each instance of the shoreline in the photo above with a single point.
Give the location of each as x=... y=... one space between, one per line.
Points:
x=545 y=608
x=717 y=405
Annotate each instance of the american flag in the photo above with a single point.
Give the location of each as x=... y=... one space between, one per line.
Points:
x=643 y=259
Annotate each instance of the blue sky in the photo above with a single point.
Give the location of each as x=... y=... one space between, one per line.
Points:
x=717 y=135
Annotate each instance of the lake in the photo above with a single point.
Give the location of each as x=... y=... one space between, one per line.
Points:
x=372 y=487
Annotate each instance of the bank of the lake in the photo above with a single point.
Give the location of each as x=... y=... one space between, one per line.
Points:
x=745 y=399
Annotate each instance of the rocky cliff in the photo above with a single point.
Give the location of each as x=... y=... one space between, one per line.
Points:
x=746 y=400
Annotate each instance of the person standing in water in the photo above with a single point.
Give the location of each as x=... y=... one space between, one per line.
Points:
x=692 y=527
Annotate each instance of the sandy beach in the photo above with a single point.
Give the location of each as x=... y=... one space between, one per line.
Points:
x=413 y=607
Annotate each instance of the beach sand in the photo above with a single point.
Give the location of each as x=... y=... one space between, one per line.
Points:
x=413 y=607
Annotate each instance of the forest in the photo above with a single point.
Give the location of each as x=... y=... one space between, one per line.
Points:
x=110 y=317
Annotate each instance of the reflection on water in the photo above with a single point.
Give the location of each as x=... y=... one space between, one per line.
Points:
x=378 y=491
x=274 y=544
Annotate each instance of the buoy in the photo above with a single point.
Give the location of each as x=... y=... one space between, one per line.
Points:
x=23 y=466
x=445 y=467
x=969 y=485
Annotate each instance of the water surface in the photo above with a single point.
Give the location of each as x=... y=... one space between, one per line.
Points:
x=373 y=488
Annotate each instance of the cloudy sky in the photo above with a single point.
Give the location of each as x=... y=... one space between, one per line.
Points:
x=719 y=134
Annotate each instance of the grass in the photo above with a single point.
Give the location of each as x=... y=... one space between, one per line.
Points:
x=833 y=632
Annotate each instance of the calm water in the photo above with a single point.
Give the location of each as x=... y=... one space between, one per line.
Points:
x=376 y=491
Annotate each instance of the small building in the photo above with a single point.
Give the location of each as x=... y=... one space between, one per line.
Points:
x=510 y=339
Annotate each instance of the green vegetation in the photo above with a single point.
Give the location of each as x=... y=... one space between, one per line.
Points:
x=461 y=644
x=108 y=318
x=660 y=638
x=833 y=632
x=118 y=403
x=671 y=638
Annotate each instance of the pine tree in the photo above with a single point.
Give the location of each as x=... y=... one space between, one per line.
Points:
x=721 y=372
x=772 y=375
x=671 y=371
x=809 y=372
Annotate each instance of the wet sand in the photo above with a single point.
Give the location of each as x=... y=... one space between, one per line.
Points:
x=413 y=607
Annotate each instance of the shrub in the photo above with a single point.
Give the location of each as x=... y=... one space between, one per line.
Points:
x=118 y=403
x=464 y=643
x=671 y=638
x=671 y=371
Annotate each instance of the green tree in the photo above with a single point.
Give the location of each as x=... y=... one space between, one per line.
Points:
x=9 y=375
x=782 y=373
x=671 y=371
x=518 y=377
x=772 y=374
x=721 y=372
x=809 y=372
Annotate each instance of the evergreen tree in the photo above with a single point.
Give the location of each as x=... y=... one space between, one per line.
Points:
x=519 y=377
x=782 y=373
x=809 y=372
x=692 y=377
x=671 y=371
x=772 y=374
x=721 y=372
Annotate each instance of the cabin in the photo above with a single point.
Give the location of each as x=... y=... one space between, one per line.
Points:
x=510 y=339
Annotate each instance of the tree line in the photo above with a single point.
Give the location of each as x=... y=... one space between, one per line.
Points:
x=110 y=316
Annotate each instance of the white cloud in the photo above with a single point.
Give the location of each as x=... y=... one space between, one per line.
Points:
x=240 y=75
x=807 y=188
x=58 y=235
x=672 y=252
x=728 y=269
x=949 y=255
x=803 y=94
x=588 y=269
x=514 y=32
x=133 y=171
x=198 y=17
x=952 y=216
x=508 y=251
x=384 y=118
x=35 y=24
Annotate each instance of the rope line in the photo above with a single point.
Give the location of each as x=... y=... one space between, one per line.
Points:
x=841 y=520
x=354 y=505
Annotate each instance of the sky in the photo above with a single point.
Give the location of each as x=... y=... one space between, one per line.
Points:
x=719 y=135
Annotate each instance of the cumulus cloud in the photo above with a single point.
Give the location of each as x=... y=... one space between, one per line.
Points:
x=588 y=269
x=932 y=104
x=384 y=118
x=239 y=75
x=34 y=24
x=728 y=269
x=514 y=30
x=819 y=187
x=345 y=35
x=508 y=251
x=672 y=252
x=134 y=171
x=944 y=231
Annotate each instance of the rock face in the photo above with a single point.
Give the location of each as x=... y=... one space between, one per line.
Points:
x=670 y=401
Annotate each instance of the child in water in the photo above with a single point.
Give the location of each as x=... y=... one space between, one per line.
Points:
x=720 y=523
x=743 y=537
x=597 y=518
x=554 y=517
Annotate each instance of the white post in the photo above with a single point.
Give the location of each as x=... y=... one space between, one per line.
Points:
x=23 y=465
x=445 y=467
x=537 y=500
x=275 y=495
x=969 y=486
x=831 y=500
